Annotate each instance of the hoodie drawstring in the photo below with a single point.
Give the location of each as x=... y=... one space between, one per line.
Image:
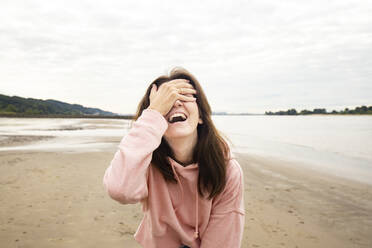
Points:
x=196 y=232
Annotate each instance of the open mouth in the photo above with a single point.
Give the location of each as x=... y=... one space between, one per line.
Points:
x=177 y=118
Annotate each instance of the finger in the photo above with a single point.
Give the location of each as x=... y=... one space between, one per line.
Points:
x=153 y=90
x=186 y=91
x=179 y=83
x=186 y=98
x=184 y=85
x=178 y=80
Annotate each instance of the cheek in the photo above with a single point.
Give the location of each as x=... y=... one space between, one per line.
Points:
x=192 y=108
x=194 y=113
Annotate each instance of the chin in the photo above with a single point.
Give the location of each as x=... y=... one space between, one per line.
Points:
x=178 y=133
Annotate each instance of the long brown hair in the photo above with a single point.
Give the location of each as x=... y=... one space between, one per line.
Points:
x=211 y=151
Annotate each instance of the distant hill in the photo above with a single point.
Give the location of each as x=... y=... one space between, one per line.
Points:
x=29 y=107
x=362 y=110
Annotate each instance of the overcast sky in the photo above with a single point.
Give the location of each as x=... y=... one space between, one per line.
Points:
x=249 y=56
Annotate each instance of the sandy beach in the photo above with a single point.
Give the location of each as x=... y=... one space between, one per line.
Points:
x=54 y=199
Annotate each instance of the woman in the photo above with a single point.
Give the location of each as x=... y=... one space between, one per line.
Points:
x=174 y=161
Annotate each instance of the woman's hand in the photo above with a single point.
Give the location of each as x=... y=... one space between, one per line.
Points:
x=163 y=99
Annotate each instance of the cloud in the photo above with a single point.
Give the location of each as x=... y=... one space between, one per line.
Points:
x=303 y=53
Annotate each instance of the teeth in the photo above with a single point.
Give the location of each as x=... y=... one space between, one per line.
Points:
x=176 y=115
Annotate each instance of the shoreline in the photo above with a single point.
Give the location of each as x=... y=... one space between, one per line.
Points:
x=21 y=140
x=55 y=199
x=48 y=143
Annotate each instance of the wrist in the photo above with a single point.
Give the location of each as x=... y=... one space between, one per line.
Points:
x=150 y=107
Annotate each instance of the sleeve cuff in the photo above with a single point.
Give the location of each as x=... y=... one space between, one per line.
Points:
x=156 y=118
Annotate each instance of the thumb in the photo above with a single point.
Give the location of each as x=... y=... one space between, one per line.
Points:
x=153 y=90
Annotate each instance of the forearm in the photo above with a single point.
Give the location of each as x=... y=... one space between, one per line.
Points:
x=125 y=178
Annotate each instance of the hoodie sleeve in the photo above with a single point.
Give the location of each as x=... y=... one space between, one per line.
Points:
x=227 y=213
x=125 y=180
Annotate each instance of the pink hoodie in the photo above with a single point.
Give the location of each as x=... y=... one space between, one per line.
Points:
x=174 y=214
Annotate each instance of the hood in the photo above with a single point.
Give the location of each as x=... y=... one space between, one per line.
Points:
x=189 y=171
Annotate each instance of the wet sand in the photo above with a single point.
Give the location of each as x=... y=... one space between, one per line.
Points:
x=54 y=199
x=18 y=140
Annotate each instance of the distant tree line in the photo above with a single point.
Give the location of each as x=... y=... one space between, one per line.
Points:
x=362 y=110
x=28 y=107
